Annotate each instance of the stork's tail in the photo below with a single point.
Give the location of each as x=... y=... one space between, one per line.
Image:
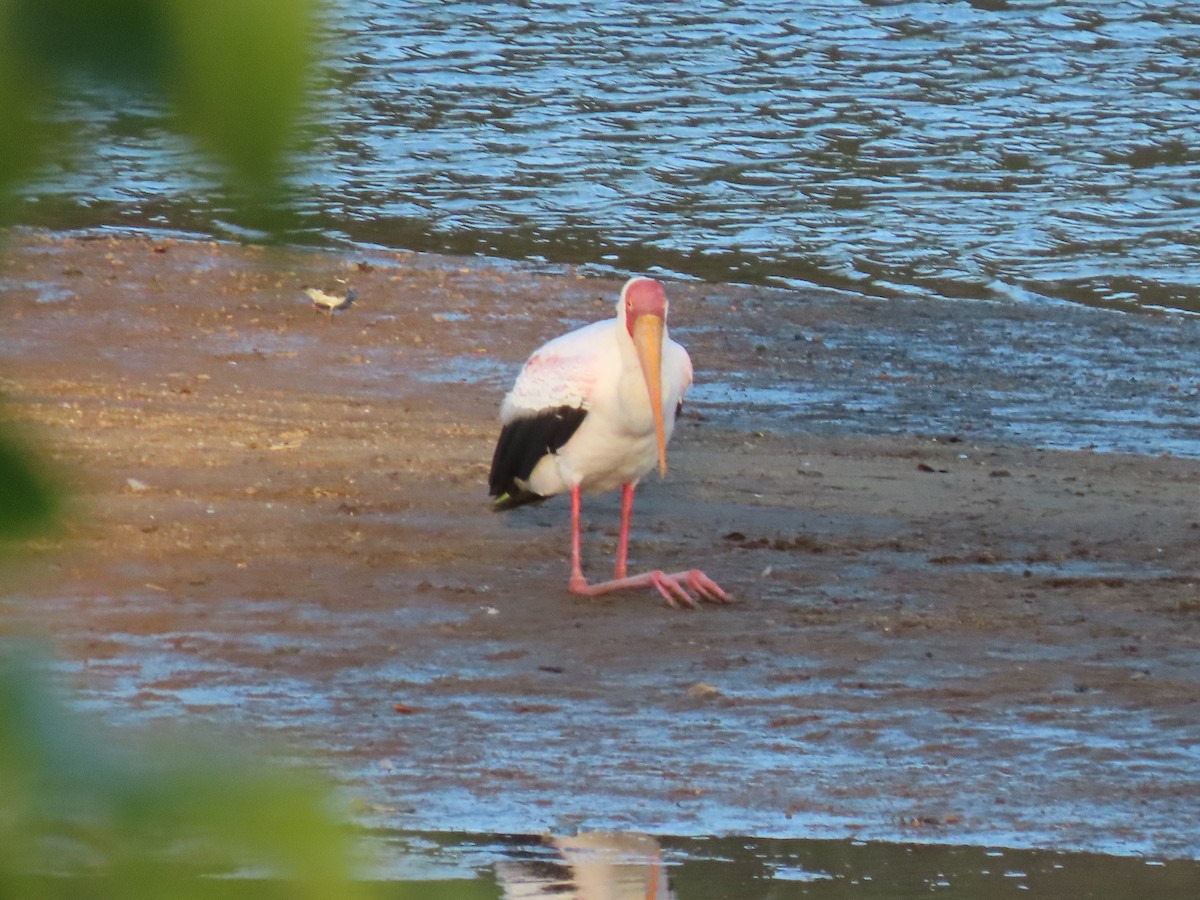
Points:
x=522 y=444
x=512 y=499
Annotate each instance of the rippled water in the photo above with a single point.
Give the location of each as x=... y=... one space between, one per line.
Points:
x=968 y=149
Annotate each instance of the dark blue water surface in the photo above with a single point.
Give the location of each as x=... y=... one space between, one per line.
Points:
x=964 y=149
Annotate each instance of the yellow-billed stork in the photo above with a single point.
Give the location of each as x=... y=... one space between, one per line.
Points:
x=593 y=410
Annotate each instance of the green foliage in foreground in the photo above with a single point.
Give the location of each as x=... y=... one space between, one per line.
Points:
x=81 y=814
x=233 y=71
x=27 y=499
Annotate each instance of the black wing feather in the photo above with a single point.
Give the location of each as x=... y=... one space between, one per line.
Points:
x=522 y=444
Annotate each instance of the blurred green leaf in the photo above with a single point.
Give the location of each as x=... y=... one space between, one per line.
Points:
x=235 y=71
x=83 y=814
x=27 y=501
x=121 y=39
x=238 y=76
x=21 y=138
x=147 y=821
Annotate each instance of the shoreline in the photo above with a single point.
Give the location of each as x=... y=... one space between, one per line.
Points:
x=280 y=527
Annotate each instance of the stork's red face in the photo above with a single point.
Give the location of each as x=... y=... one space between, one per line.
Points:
x=645 y=317
x=644 y=297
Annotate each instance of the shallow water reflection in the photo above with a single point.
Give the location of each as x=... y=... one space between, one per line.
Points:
x=638 y=867
x=594 y=866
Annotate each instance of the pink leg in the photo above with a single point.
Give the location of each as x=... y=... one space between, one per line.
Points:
x=623 y=540
x=578 y=584
x=678 y=589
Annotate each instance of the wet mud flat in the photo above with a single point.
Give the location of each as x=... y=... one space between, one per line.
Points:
x=943 y=633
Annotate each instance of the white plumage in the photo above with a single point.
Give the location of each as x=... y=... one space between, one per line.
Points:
x=592 y=411
x=596 y=369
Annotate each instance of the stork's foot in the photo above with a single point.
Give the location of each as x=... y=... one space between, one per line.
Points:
x=681 y=589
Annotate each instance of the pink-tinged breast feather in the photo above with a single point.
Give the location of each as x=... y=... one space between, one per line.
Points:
x=564 y=372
